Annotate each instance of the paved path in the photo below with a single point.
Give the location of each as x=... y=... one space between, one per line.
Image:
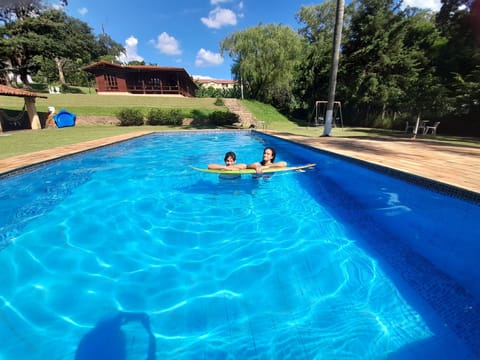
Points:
x=450 y=164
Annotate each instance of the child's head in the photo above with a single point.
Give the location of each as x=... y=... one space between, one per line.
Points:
x=230 y=158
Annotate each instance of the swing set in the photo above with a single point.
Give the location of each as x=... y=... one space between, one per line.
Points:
x=321 y=113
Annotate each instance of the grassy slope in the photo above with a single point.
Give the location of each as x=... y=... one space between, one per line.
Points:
x=108 y=105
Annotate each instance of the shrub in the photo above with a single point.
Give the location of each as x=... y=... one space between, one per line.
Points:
x=219 y=102
x=130 y=117
x=164 y=117
x=223 y=118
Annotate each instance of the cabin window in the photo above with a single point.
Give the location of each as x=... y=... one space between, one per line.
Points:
x=111 y=82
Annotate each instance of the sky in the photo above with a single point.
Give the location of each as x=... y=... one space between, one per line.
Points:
x=188 y=33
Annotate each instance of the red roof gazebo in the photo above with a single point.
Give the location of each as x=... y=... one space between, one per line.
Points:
x=29 y=103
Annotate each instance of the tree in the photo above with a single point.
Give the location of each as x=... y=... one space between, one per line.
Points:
x=136 y=63
x=379 y=65
x=424 y=93
x=314 y=66
x=458 y=60
x=13 y=10
x=33 y=43
x=72 y=39
x=107 y=49
x=337 y=39
x=264 y=59
x=21 y=41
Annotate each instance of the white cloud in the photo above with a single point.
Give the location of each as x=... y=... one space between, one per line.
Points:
x=168 y=45
x=434 y=5
x=216 y=2
x=220 y=17
x=130 y=51
x=83 y=11
x=208 y=58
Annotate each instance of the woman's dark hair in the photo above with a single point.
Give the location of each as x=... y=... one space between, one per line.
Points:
x=230 y=154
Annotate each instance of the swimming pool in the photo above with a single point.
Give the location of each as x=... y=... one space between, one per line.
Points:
x=127 y=249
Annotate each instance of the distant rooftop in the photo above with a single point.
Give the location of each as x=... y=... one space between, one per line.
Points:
x=214 y=81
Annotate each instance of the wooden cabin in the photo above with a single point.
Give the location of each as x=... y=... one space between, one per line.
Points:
x=141 y=79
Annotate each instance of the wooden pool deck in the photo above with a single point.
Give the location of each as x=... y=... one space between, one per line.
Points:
x=455 y=165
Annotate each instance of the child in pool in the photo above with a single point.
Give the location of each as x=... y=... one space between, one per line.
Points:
x=230 y=159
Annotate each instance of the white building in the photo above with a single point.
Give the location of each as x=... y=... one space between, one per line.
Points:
x=215 y=83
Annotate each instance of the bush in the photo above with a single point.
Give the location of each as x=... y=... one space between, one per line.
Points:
x=223 y=118
x=219 y=102
x=130 y=117
x=164 y=117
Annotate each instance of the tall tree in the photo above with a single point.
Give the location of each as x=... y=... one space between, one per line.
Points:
x=13 y=10
x=424 y=92
x=264 y=60
x=107 y=49
x=377 y=62
x=458 y=61
x=22 y=40
x=337 y=40
x=71 y=39
x=51 y=36
x=314 y=66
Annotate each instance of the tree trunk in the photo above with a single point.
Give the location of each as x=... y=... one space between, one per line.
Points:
x=337 y=39
x=24 y=78
x=19 y=70
x=32 y=113
x=61 y=76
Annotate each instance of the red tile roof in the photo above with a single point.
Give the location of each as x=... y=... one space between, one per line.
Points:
x=215 y=81
x=11 y=91
x=102 y=64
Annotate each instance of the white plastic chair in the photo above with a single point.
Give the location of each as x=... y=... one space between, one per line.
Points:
x=432 y=128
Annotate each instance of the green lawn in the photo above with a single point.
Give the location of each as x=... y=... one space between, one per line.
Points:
x=108 y=105
x=26 y=141
x=21 y=142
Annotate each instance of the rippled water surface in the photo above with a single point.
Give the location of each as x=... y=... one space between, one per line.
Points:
x=128 y=251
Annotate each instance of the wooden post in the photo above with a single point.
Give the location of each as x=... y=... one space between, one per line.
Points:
x=32 y=113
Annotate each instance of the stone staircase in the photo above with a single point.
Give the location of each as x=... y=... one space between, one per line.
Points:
x=247 y=120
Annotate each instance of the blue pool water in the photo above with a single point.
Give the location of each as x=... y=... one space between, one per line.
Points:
x=127 y=251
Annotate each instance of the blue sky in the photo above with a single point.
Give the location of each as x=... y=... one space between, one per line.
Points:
x=186 y=33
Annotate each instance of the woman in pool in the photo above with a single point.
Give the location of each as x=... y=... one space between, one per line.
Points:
x=267 y=162
x=230 y=159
